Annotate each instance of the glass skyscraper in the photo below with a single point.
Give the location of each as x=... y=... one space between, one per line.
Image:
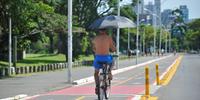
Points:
x=185 y=13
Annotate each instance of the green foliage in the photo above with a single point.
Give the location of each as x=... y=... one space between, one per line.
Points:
x=85 y=44
x=192 y=38
x=127 y=11
x=36 y=23
x=179 y=29
x=194 y=25
x=80 y=40
x=175 y=45
x=86 y=11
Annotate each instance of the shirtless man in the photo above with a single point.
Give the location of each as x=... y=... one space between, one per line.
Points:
x=102 y=44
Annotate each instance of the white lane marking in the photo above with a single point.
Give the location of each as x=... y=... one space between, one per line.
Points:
x=137 y=97
x=136 y=83
x=17 y=97
x=91 y=78
x=30 y=97
x=139 y=78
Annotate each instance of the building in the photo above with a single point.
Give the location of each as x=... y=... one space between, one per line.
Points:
x=148 y=10
x=185 y=13
x=166 y=17
x=152 y=12
x=143 y=15
x=157 y=11
x=149 y=7
x=141 y=7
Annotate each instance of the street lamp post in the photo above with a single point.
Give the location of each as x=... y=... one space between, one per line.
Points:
x=143 y=40
x=138 y=16
x=128 y=39
x=169 y=42
x=117 y=38
x=154 y=39
x=155 y=25
x=10 y=46
x=160 y=42
x=166 y=44
x=70 y=41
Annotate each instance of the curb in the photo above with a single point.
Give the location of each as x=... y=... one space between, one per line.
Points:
x=17 y=97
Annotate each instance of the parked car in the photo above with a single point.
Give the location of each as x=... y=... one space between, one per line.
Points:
x=193 y=52
x=133 y=52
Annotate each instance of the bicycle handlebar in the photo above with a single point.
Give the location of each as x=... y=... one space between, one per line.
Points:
x=114 y=55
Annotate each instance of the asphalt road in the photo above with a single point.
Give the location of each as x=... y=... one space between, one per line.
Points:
x=38 y=83
x=185 y=85
x=125 y=86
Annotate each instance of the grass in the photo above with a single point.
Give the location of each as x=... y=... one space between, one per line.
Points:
x=83 y=57
x=41 y=59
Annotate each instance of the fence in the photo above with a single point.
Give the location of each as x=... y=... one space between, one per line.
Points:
x=4 y=71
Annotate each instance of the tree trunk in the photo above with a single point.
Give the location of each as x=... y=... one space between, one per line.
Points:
x=51 y=43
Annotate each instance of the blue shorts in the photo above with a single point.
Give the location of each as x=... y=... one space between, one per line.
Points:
x=101 y=58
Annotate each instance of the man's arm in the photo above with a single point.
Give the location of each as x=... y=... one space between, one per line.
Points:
x=112 y=45
x=93 y=46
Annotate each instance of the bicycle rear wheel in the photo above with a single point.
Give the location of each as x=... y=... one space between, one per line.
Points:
x=101 y=88
x=107 y=89
x=101 y=93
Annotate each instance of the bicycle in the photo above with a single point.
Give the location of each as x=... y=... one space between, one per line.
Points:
x=104 y=86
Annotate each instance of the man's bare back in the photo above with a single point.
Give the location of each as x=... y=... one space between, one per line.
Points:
x=102 y=44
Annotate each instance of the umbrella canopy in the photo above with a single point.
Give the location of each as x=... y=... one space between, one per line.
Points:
x=112 y=21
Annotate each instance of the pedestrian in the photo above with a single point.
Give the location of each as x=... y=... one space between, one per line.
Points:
x=129 y=53
x=162 y=51
x=174 y=52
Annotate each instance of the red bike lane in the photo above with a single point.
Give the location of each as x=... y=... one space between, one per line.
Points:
x=125 y=86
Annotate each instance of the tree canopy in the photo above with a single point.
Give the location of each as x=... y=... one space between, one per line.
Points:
x=46 y=21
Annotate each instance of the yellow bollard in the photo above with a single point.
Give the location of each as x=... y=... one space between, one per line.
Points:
x=147 y=82
x=147 y=87
x=157 y=75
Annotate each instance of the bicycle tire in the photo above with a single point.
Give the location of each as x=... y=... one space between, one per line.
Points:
x=107 y=89
x=100 y=90
x=104 y=85
x=100 y=94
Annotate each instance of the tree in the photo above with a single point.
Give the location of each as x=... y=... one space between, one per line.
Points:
x=42 y=20
x=178 y=28
x=30 y=20
x=192 y=38
x=86 y=11
x=127 y=11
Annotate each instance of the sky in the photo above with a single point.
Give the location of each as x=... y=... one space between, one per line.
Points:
x=193 y=6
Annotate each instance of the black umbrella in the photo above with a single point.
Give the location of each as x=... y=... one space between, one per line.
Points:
x=112 y=21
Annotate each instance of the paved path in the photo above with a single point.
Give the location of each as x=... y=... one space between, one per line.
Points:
x=185 y=85
x=128 y=85
x=125 y=85
x=37 y=83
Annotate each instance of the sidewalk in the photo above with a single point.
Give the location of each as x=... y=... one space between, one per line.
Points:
x=185 y=85
x=42 y=82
